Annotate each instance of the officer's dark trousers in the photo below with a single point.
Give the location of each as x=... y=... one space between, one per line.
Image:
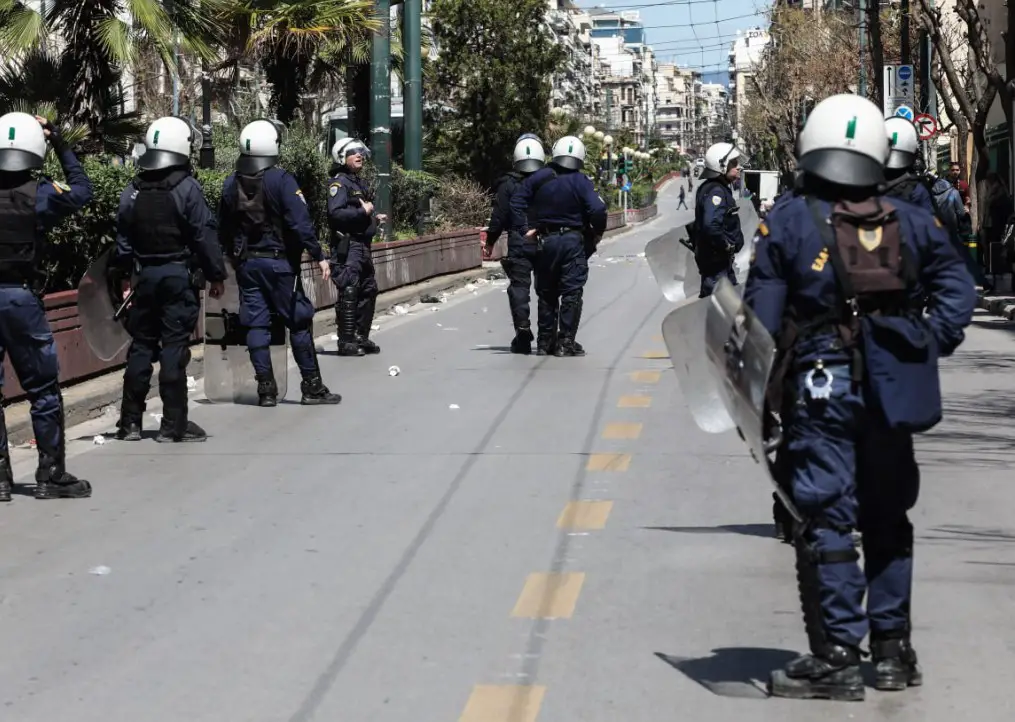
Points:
x=25 y=336
x=160 y=320
x=269 y=286
x=711 y=276
x=851 y=471
x=519 y=265
x=561 y=273
x=356 y=271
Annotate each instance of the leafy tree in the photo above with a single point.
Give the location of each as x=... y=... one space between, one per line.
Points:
x=489 y=84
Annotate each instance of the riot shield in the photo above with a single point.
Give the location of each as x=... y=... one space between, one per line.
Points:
x=228 y=373
x=740 y=353
x=749 y=222
x=102 y=322
x=671 y=262
x=684 y=334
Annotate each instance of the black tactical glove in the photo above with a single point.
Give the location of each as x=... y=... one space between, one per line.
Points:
x=55 y=136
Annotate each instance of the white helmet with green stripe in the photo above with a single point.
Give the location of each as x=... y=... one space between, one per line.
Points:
x=569 y=153
x=529 y=155
x=903 y=141
x=260 y=145
x=844 y=141
x=168 y=143
x=22 y=143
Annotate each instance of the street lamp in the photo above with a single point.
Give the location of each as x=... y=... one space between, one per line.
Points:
x=607 y=142
x=589 y=130
x=599 y=136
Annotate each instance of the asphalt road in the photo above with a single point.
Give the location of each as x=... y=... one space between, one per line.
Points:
x=484 y=537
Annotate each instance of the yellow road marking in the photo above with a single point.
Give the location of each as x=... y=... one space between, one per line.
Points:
x=585 y=515
x=646 y=377
x=622 y=431
x=608 y=462
x=655 y=354
x=503 y=703
x=634 y=402
x=549 y=596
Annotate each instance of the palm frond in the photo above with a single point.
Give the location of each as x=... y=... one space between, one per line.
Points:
x=21 y=27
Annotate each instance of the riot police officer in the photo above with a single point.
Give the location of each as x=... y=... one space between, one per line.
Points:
x=567 y=219
x=353 y=227
x=29 y=208
x=265 y=228
x=167 y=234
x=901 y=180
x=519 y=263
x=840 y=278
x=717 y=233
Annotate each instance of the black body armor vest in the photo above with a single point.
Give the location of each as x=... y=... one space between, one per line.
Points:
x=20 y=234
x=253 y=217
x=156 y=227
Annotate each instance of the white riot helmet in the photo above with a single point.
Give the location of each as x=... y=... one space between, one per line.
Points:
x=344 y=147
x=22 y=143
x=903 y=143
x=168 y=143
x=529 y=155
x=569 y=153
x=844 y=142
x=260 y=145
x=718 y=158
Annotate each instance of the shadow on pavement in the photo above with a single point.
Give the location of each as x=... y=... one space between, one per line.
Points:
x=732 y=671
x=760 y=530
x=969 y=534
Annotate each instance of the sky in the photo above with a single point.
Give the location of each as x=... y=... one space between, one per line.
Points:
x=693 y=33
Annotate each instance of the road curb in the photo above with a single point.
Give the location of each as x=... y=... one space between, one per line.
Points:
x=1003 y=306
x=89 y=399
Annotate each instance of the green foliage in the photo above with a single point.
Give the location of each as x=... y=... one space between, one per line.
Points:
x=490 y=83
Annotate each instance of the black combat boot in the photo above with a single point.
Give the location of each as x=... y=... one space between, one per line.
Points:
x=522 y=342
x=128 y=428
x=366 y=318
x=366 y=345
x=568 y=347
x=53 y=482
x=6 y=478
x=345 y=312
x=546 y=344
x=783 y=521
x=833 y=674
x=176 y=428
x=315 y=393
x=267 y=391
x=895 y=662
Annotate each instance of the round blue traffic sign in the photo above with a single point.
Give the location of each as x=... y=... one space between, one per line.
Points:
x=904 y=111
x=905 y=72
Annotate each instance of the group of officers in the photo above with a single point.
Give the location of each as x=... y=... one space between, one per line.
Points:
x=554 y=220
x=863 y=288
x=169 y=248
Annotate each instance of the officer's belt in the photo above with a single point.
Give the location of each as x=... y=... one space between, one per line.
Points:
x=274 y=254
x=546 y=230
x=157 y=261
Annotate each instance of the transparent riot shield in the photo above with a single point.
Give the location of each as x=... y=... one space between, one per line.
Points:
x=749 y=222
x=684 y=334
x=228 y=373
x=740 y=353
x=102 y=322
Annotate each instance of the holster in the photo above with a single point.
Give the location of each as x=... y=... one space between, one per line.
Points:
x=340 y=250
x=197 y=277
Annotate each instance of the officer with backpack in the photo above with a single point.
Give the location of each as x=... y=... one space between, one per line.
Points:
x=558 y=208
x=30 y=207
x=520 y=260
x=901 y=180
x=167 y=235
x=265 y=228
x=716 y=232
x=840 y=278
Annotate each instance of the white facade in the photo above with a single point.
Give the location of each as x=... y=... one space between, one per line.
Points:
x=746 y=54
x=675 y=116
x=576 y=86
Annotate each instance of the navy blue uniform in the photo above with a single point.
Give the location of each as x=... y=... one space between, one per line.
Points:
x=912 y=190
x=567 y=214
x=29 y=209
x=166 y=232
x=718 y=236
x=851 y=456
x=520 y=261
x=353 y=231
x=265 y=228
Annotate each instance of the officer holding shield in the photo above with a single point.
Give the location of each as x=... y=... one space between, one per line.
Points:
x=353 y=226
x=29 y=207
x=167 y=234
x=841 y=279
x=266 y=227
x=716 y=229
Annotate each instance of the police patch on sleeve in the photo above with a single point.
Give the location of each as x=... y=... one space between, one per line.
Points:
x=61 y=187
x=300 y=194
x=716 y=200
x=333 y=190
x=763 y=229
x=937 y=222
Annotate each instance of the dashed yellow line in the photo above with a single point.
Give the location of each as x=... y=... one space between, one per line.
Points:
x=634 y=402
x=585 y=515
x=646 y=377
x=608 y=462
x=503 y=703
x=655 y=354
x=548 y=595
x=622 y=431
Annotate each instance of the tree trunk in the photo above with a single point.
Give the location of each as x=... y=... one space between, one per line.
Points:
x=877 y=51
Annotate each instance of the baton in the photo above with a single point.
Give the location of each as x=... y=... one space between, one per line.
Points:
x=123 y=307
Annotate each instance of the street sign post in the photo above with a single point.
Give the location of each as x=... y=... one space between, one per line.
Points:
x=926 y=126
x=904 y=111
x=899 y=87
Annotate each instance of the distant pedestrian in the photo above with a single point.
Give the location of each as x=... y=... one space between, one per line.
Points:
x=683 y=199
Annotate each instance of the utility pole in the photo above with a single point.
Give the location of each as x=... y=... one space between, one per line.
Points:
x=862 y=42
x=1009 y=64
x=207 y=157
x=380 y=112
x=906 y=51
x=412 y=96
x=928 y=98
